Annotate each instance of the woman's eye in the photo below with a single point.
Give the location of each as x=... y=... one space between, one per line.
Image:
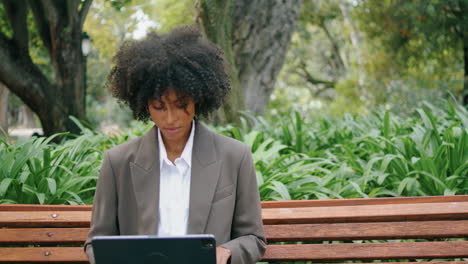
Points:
x=182 y=106
x=158 y=107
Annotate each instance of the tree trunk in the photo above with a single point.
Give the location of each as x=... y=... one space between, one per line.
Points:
x=465 y=83
x=356 y=40
x=4 y=92
x=463 y=18
x=59 y=25
x=67 y=60
x=338 y=62
x=215 y=18
x=262 y=31
x=255 y=36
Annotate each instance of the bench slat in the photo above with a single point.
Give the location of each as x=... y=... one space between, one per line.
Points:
x=274 y=233
x=367 y=213
x=271 y=204
x=364 y=201
x=45 y=219
x=43 y=236
x=43 y=254
x=367 y=231
x=274 y=252
x=44 y=207
x=367 y=251
x=335 y=214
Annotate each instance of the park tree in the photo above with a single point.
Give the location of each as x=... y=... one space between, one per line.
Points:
x=59 y=26
x=421 y=35
x=108 y=24
x=3 y=108
x=255 y=36
x=324 y=64
x=327 y=62
x=259 y=52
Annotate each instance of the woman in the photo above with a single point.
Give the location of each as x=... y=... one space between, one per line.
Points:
x=179 y=178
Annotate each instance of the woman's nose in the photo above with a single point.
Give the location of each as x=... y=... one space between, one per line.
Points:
x=171 y=115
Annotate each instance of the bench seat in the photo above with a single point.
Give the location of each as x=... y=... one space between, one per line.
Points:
x=410 y=228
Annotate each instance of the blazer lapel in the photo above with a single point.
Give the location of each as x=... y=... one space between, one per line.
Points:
x=145 y=178
x=204 y=179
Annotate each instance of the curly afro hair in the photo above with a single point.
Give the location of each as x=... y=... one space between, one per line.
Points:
x=182 y=60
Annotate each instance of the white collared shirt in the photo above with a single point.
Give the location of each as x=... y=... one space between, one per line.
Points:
x=174 y=189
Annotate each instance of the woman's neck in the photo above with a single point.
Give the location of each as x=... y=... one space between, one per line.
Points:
x=174 y=149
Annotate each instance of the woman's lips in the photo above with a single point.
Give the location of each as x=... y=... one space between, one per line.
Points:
x=172 y=130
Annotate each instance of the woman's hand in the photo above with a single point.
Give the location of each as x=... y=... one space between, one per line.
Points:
x=222 y=255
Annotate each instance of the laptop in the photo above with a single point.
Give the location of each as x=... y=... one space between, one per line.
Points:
x=154 y=249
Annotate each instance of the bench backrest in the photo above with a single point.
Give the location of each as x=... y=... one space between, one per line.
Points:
x=328 y=230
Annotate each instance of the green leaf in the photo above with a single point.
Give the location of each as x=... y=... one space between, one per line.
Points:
x=40 y=197
x=52 y=185
x=358 y=189
x=4 y=184
x=281 y=189
x=407 y=183
x=76 y=197
x=386 y=127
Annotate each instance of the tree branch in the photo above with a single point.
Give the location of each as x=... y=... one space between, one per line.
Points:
x=84 y=11
x=70 y=8
x=50 y=10
x=341 y=66
x=17 y=12
x=41 y=23
x=21 y=76
x=316 y=92
x=304 y=73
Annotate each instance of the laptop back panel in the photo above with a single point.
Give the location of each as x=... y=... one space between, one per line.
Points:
x=153 y=249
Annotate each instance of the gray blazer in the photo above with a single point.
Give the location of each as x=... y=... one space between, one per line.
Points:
x=224 y=198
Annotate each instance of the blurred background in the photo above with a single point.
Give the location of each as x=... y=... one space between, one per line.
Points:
x=314 y=56
x=338 y=98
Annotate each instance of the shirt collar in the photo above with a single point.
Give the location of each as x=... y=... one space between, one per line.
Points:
x=186 y=153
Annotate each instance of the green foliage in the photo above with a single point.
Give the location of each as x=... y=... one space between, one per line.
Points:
x=118 y=5
x=173 y=13
x=37 y=171
x=321 y=64
x=4 y=25
x=372 y=155
x=394 y=53
x=109 y=23
x=421 y=40
x=296 y=157
x=107 y=112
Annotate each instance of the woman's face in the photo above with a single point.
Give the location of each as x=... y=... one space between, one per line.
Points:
x=173 y=115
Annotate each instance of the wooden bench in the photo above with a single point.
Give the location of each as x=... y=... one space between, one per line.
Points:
x=328 y=230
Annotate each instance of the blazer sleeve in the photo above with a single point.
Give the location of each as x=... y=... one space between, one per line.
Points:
x=248 y=242
x=104 y=215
